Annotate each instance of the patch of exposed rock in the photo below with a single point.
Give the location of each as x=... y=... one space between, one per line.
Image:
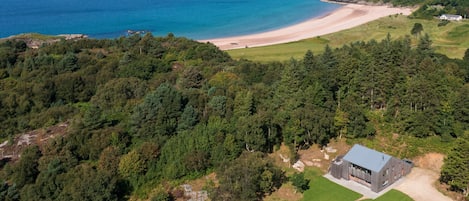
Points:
x=12 y=149
x=36 y=40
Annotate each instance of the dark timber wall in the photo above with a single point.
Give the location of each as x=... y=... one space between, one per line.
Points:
x=392 y=171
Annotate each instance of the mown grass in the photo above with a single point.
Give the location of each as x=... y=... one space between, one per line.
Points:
x=392 y=195
x=281 y=52
x=321 y=189
x=450 y=40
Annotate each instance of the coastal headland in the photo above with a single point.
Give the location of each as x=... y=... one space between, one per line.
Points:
x=36 y=40
x=346 y=17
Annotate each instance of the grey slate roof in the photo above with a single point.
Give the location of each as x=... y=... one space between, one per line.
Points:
x=367 y=158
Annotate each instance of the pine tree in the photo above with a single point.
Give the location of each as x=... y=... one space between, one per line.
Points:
x=159 y=113
x=308 y=60
x=417 y=29
x=455 y=170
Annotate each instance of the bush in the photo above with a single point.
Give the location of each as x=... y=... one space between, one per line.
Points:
x=443 y=23
x=298 y=180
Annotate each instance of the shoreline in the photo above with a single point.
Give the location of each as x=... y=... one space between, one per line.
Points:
x=345 y=17
x=36 y=40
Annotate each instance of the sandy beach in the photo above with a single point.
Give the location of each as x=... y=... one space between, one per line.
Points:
x=348 y=16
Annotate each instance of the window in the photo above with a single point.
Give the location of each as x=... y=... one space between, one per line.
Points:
x=360 y=173
x=385 y=183
x=386 y=172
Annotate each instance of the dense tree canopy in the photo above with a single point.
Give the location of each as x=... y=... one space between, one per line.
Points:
x=248 y=177
x=456 y=166
x=145 y=110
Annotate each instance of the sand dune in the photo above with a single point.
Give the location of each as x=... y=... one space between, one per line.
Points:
x=346 y=17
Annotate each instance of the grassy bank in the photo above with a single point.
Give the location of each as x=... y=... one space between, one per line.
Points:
x=389 y=141
x=450 y=39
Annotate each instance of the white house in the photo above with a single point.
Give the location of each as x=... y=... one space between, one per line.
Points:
x=451 y=17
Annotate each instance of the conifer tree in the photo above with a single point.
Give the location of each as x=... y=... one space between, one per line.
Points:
x=455 y=170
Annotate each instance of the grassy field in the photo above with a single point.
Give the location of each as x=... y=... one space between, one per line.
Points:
x=321 y=189
x=451 y=39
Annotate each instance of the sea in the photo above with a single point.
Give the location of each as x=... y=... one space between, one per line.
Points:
x=195 y=19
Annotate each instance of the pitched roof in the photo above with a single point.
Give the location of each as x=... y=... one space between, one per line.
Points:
x=367 y=158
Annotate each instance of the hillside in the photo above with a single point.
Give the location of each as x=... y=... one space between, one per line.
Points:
x=146 y=113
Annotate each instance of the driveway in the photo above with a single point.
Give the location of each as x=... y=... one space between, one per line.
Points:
x=419 y=186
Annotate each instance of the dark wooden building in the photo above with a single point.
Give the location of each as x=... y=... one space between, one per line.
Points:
x=369 y=167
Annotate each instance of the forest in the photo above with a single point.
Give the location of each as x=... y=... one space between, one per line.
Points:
x=146 y=112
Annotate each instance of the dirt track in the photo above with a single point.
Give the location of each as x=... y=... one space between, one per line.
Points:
x=419 y=186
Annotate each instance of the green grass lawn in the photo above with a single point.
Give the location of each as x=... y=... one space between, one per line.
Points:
x=321 y=189
x=282 y=51
x=450 y=39
x=392 y=195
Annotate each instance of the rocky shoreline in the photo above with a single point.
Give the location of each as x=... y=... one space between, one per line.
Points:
x=34 y=40
x=73 y=36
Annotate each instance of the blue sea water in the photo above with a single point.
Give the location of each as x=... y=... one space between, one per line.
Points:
x=197 y=19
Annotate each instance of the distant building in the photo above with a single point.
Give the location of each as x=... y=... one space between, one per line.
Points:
x=451 y=17
x=369 y=167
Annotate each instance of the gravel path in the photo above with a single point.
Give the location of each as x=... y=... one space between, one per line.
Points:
x=419 y=186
